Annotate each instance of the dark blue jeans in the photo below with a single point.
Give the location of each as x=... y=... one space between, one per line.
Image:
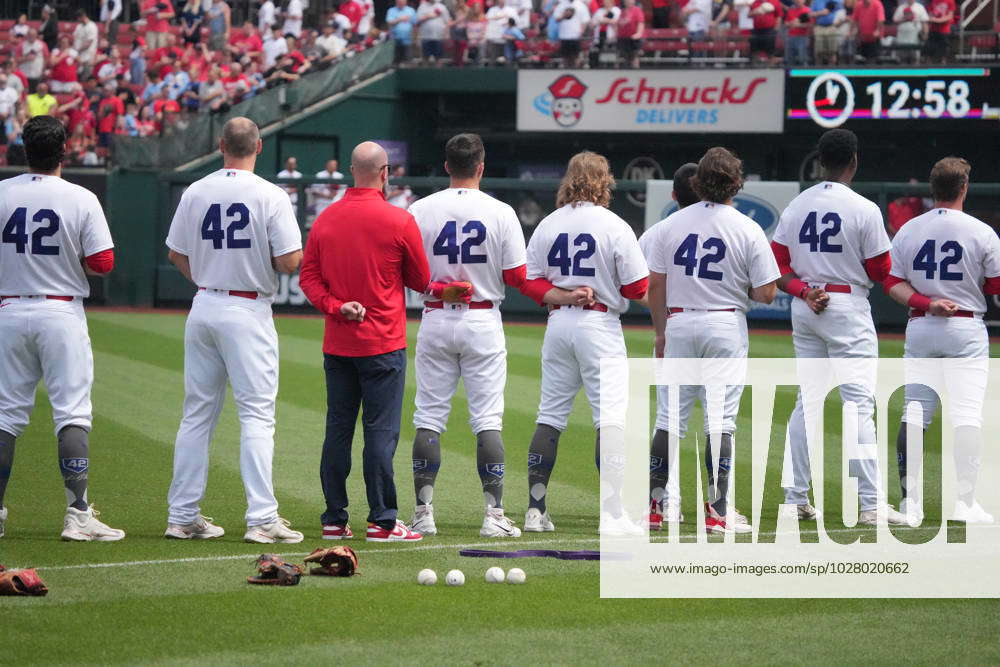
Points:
x=375 y=385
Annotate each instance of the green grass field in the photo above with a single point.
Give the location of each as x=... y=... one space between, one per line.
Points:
x=147 y=599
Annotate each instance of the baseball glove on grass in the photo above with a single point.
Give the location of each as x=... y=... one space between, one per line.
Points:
x=21 y=582
x=273 y=571
x=334 y=562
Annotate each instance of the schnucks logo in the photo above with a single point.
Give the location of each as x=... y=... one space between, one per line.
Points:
x=621 y=92
x=563 y=101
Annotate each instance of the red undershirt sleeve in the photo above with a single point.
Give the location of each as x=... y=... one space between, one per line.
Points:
x=635 y=290
x=102 y=262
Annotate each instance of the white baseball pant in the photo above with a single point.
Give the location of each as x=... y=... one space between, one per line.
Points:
x=844 y=330
x=704 y=334
x=963 y=339
x=575 y=342
x=44 y=339
x=227 y=338
x=453 y=342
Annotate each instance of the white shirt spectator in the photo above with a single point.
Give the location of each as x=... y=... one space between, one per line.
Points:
x=8 y=100
x=908 y=31
x=292 y=191
x=85 y=42
x=332 y=43
x=265 y=17
x=573 y=27
x=496 y=22
x=35 y=66
x=293 y=18
x=365 y=24
x=433 y=17
x=745 y=21
x=340 y=23
x=524 y=9
x=698 y=20
x=610 y=32
x=274 y=49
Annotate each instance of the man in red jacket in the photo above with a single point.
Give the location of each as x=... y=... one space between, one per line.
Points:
x=360 y=254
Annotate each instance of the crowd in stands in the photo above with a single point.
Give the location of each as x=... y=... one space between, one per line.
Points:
x=613 y=33
x=149 y=77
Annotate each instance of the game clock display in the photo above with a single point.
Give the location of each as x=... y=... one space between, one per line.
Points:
x=832 y=98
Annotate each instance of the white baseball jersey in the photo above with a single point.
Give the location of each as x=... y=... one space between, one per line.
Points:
x=583 y=245
x=470 y=236
x=947 y=254
x=230 y=224
x=47 y=227
x=711 y=255
x=830 y=230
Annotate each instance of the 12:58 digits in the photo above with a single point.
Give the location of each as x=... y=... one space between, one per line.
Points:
x=940 y=96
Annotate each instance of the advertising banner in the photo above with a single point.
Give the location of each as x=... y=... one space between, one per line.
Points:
x=650 y=101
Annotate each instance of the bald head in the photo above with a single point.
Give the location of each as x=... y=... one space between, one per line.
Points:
x=240 y=138
x=368 y=164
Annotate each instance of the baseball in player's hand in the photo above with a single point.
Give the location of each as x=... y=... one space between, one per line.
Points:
x=353 y=311
x=817 y=299
x=942 y=307
x=659 y=345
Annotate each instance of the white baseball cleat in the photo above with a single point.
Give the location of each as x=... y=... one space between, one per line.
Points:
x=803 y=512
x=276 y=531
x=496 y=524
x=672 y=511
x=913 y=512
x=620 y=526
x=892 y=517
x=536 y=522
x=423 y=520
x=973 y=513
x=201 y=528
x=3 y=519
x=83 y=526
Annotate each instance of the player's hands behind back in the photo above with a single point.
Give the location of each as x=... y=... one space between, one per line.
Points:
x=453 y=292
x=817 y=299
x=942 y=307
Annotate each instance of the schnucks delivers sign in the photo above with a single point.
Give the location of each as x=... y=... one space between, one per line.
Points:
x=650 y=101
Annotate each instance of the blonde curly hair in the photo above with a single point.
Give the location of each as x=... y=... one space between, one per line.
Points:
x=588 y=179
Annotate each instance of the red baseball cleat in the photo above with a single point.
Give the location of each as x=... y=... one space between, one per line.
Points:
x=399 y=533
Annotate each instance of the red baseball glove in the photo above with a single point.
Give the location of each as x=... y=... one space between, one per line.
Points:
x=21 y=582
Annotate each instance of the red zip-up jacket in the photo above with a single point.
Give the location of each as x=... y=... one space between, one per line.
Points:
x=363 y=249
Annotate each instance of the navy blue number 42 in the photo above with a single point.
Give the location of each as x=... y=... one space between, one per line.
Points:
x=446 y=244
x=926 y=260
x=211 y=226
x=559 y=255
x=16 y=231
x=817 y=239
x=687 y=256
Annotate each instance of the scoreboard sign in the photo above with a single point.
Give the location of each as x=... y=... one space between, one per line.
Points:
x=834 y=97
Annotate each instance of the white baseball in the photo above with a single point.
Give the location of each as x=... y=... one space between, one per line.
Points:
x=494 y=575
x=427 y=577
x=455 y=578
x=516 y=576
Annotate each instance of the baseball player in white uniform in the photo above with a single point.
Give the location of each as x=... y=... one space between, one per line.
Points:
x=703 y=267
x=51 y=232
x=943 y=264
x=831 y=247
x=585 y=262
x=664 y=490
x=474 y=246
x=230 y=232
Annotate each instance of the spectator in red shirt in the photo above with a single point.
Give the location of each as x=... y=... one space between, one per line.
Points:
x=798 y=20
x=941 y=16
x=360 y=254
x=354 y=11
x=631 y=26
x=77 y=112
x=766 y=16
x=869 y=19
x=63 y=68
x=235 y=83
x=157 y=14
x=110 y=108
x=246 y=44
